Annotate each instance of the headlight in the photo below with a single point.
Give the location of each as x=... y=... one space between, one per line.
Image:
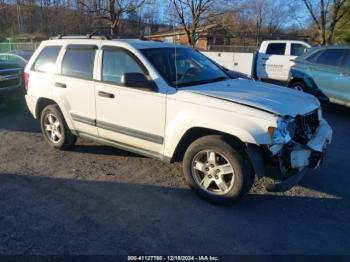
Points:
x=283 y=133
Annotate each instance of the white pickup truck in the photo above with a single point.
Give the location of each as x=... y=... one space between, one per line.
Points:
x=272 y=62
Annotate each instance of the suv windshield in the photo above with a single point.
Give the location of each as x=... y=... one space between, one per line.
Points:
x=182 y=67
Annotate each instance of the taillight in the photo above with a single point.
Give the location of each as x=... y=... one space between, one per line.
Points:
x=26 y=81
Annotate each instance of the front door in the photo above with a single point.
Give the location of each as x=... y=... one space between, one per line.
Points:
x=273 y=64
x=128 y=115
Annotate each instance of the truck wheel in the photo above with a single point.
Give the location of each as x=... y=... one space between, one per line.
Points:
x=216 y=171
x=54 y=128
x=299 y=85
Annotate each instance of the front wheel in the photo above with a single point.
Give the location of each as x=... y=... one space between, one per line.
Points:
x=54 y=128
x=216 y=171
x=299 y=86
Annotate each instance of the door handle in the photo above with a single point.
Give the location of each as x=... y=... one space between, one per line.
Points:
x=104 y=94
x=60 y=85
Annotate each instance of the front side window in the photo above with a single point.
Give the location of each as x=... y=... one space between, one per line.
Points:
x=182 y=67
x=312 y=58
x=276 y=49
x=79 y=62
x=46 y=61
x=298 y=49
x=116 y=63
x=331 y=57
x=347 y=60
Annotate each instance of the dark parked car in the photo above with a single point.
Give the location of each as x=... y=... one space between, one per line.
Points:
x=325 y=73
x=12 y=65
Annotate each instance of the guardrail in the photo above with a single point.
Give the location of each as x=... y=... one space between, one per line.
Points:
x=8 y=47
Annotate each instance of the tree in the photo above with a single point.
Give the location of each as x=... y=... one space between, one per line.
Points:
x=113 y=11
x=193 y=15
x=326 y=15
x=342 y=32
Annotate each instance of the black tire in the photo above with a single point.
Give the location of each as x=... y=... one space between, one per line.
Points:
x=67 y=139
x=243 y=178
x=298 y=85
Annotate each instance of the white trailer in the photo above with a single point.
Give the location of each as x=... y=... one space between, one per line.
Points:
x=272 y=62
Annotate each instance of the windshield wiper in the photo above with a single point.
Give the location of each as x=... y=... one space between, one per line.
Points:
x=218 y=79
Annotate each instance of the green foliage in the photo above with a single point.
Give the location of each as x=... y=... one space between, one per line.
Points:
x=342 y=33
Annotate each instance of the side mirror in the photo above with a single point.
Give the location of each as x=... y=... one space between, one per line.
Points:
x=138 y=80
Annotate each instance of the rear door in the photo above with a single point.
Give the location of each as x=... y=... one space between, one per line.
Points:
x=74 y=86
x=326 y=73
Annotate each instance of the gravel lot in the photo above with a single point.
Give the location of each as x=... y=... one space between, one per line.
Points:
x=100 y=200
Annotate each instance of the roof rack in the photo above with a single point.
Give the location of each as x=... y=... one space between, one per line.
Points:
x=88 y=36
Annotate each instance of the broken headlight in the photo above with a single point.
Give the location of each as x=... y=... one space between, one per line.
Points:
x=283 y=133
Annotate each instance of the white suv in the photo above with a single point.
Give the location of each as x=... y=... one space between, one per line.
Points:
x=172 y=103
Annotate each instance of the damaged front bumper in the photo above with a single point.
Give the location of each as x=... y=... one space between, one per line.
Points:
x=288 y=163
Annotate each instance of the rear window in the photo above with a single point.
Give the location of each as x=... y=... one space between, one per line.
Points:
x=79 y=62
x=276 y=49
x=332 y=57
x=46 y=60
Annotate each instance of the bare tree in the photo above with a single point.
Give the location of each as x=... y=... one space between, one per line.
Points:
x=113 y=11
x=193 y=14
x=326 y=14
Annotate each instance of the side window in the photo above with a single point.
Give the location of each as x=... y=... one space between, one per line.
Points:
x=298 y=49
x=116 y=63
x=46 y=60
x=276 y=49
x=79 y=62
x=313 y=57
x=347 y=60
x=331 y=57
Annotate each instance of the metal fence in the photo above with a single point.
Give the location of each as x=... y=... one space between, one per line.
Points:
x=232 y=48
x=8 y=47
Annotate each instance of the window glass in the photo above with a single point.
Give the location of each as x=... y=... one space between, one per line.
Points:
x=347 y=60
x=79 y=62
x=331 y=57
x=313 y=57
x=116 y=63
x=276 y=49
x=298 y=50
x=46 y=61
x=184 y=66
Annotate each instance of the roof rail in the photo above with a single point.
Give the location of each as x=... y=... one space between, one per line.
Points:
x=88 y=36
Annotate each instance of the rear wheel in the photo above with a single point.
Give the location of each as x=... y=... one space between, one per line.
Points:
x=54 y=128
x=215 y=170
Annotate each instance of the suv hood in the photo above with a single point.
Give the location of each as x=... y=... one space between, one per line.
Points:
x=271 y=98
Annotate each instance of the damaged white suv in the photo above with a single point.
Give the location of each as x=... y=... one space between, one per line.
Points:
x=172 y=103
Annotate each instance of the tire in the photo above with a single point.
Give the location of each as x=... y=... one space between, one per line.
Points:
x=205 y=174
x=54 y=128
x=298 y=85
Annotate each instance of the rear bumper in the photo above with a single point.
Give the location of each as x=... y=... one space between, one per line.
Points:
x=290 y=164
